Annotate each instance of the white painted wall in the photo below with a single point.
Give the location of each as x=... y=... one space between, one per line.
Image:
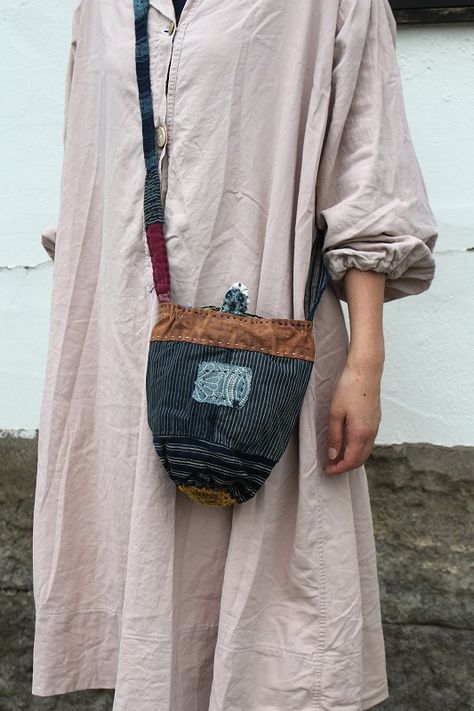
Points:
x=428 y=383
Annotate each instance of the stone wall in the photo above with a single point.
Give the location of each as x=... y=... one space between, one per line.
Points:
x=422 y=508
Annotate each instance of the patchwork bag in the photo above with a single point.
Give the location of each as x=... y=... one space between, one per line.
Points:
x=224 y=387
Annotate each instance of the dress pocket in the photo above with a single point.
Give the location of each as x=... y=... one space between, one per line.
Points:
x=262 y=678
x=341 y=683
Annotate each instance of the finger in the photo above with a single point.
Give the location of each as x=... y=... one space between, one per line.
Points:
x=360 y=443
x=335 y=436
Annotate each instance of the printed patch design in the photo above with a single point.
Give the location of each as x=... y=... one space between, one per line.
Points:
x=222 y=384
x=236 y=300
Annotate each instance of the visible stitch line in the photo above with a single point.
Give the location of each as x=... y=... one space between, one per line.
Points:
x=228 y=343
x=320 y=659
x=188 y=12
x=78 y=612
x=178 y=312
x=347 y=655
x=264 y=649
x=160 y=639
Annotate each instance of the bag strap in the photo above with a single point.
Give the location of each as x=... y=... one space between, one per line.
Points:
x=318 y=276
x=152 y=205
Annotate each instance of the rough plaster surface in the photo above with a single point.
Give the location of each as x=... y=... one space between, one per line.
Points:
x=422 y=507
x=428 y=382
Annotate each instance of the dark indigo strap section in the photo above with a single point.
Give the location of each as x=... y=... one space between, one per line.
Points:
x=318 y=276
x=142 y=63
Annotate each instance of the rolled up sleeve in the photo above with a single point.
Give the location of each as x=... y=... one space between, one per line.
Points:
x=371 y=196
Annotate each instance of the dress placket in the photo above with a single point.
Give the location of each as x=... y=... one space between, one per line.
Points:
x=162 y=31
x=165 y=78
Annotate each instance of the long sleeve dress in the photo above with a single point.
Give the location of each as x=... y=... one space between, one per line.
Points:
x=275 y=119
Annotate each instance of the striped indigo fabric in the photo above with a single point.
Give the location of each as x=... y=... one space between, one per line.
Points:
x=153 y=211
x=185 y=429
x=193 y=462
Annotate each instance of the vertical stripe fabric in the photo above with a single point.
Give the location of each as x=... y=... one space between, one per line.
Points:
x=215 y=446
x=262 y=426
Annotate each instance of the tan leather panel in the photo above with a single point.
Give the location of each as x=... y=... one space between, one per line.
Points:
x=279 y=337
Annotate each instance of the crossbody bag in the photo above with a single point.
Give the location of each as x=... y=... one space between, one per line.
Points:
x=224 y=387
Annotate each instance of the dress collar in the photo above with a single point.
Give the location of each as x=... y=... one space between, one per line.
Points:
x=166 y=7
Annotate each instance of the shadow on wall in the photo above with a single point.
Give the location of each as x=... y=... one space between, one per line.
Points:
x=421 y=502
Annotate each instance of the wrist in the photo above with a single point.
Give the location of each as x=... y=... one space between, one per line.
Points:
x=367 y=357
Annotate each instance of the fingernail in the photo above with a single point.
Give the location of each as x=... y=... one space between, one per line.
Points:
x=332 y=453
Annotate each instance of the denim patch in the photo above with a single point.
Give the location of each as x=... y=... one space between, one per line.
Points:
x=222 y=384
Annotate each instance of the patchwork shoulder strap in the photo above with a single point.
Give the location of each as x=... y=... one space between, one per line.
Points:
x=153 y=206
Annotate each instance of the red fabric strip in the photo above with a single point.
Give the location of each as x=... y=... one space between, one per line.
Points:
x=159 y=260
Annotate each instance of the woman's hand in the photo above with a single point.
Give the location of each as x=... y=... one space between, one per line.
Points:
x=354 y=416
x=355 y=413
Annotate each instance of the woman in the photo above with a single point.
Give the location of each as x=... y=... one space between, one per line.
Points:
x=275 y=121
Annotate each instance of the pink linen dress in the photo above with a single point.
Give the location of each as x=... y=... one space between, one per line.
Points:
x=276 y=117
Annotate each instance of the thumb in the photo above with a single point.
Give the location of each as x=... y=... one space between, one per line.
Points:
x=335 y=433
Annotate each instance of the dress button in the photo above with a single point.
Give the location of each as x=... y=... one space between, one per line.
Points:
x=171 y=28
x=161 y=136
